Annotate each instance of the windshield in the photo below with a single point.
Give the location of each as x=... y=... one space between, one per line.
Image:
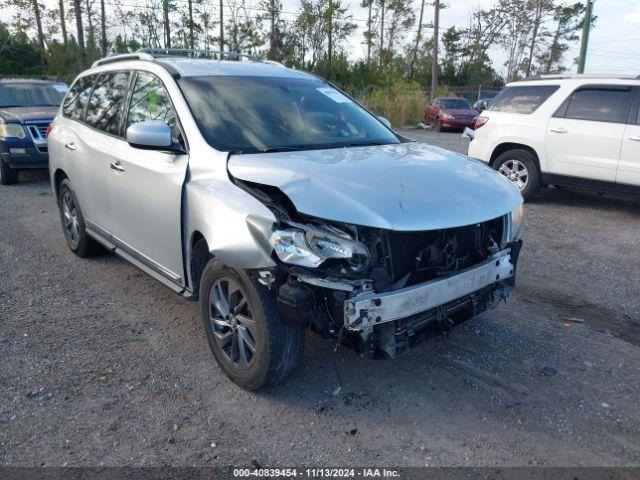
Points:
x=31 y=94
x=258 y=114
x=456 y=104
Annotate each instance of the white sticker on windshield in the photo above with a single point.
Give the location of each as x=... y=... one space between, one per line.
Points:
x=334 y=94
x=61 y=88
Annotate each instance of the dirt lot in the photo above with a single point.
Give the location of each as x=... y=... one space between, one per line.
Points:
x=102 y=365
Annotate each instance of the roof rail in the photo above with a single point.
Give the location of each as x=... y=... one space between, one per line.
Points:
x=122 y=57
x=560 y=76
x=195 y=51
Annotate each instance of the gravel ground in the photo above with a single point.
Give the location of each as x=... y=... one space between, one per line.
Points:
x=101 y=365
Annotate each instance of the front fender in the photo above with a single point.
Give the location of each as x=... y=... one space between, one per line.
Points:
x=218 y=210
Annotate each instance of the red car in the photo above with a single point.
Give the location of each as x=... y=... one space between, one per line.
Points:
x=450 y=112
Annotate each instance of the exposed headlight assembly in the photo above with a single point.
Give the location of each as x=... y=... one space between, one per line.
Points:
x=517 y=223
x=12 y=130
x=310 y=246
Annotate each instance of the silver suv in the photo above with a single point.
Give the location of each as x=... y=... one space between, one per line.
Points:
x=280 y=203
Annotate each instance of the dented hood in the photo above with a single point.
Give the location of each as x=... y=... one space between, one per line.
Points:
x=405 y=187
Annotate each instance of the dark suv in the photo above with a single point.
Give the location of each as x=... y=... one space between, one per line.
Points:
x=27 y=107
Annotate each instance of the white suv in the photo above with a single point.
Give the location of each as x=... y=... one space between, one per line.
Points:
x=581 y=131
x=280 y=203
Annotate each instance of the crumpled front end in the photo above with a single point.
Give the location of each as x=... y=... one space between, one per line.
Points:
x=381 y=290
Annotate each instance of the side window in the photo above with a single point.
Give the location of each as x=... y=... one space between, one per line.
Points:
x=638 y=117
x=104 y=110
x=522 y=99
x=150 y=101
x=600 y=105
x=76 y=98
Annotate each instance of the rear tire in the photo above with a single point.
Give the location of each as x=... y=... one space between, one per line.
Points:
x=8 y=175
x=73 y=224
x=519 y=166
x=253 y=347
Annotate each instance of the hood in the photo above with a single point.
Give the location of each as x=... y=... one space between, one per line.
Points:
x=404 y=187
x=24 y=114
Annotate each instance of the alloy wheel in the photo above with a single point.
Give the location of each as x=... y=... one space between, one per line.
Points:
x=516 y=172
x=232 y=323
x=70 y=218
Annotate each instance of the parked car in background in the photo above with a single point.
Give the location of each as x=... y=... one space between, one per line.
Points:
x=450 y=113
x=482 y=104
x=281 y=204
x=563 y=130
x=27 y=107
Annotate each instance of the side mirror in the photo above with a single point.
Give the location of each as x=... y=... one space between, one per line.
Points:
x=151 y=135
x=385 y=120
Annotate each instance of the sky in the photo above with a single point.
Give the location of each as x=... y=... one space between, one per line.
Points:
x=614 y=43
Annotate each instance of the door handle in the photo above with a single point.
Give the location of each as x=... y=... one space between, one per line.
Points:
x=635 y=139
x=558 y=130
x=70 y=146
x=117 y=167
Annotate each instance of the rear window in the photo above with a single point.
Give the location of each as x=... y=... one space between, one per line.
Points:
x=600 y=105
x=522 y=99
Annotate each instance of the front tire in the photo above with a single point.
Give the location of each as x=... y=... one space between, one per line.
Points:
x=521 y=169
x=73 y=223
x=8 y=175
x=253 y=347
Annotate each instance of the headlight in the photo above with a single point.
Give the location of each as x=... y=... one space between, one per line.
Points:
x=12 y=130
x=448 y=116
x=517 y=223
x=309 y=246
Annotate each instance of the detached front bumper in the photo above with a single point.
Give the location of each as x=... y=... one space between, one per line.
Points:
x=370 y=309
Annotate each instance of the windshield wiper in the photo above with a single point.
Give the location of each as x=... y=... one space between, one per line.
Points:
x=279 y=149
x=365 y=143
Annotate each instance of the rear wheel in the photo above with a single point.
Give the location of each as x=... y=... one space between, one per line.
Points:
x=73 y=224
x=520 y=168
x=251 y=344
x=8 y=175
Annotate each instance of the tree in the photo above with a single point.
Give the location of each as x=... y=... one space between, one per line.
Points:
x=63 y=23
x=568 y=20
x=80 y=32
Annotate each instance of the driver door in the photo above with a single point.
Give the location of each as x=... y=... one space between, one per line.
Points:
x=145 y=186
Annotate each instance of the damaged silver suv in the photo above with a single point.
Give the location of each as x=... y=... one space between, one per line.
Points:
x=281 y=204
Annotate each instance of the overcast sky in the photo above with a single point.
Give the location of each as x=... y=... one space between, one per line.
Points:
x=614 y=44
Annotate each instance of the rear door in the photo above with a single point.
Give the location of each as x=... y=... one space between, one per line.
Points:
x=145 y=190
x=629 y=166
x=584 y=138
x=95 y=138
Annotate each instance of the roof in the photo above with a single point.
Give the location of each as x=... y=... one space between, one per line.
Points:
x=178 y=61
x=30 y=80
x=579 y=78
x=195 y=67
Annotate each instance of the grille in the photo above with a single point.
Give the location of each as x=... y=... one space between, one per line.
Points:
x=38 y=130
x=426 y=255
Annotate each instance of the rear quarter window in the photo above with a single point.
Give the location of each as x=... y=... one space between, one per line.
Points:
x=522 y=99
x=76 y=99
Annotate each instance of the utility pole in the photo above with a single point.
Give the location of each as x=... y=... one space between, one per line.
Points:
x=434 y=64
x=586 y=26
